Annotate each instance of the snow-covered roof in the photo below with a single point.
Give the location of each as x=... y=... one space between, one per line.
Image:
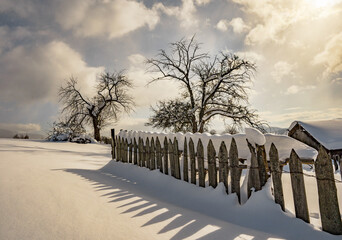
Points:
x=326 y=132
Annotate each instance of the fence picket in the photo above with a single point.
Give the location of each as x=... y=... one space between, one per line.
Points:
x=135 y=160
x=298 y=187
x=171 y=157
x=192 y=162
x=158 y=155
x=147 y=153
x=212 y=164
x=112 y=133
x=185 y=162
x=176 y=159
x=166 y=153
x=152 y=155
x=140 y=159
x=236 y=172
x=276 y=177
x=200 y=162
x=130 y=152
x=327 y=194
x=223 y=165
x=253 y=177
x=262 y=163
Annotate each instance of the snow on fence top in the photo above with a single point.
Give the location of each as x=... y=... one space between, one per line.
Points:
x=283 y=143
x=326 y=132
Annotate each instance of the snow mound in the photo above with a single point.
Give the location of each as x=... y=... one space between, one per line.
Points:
x=254 y=136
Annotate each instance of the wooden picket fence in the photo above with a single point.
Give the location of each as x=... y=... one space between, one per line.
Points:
x=155 y=153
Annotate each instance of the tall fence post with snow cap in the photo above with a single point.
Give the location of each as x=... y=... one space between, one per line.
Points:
x=200 y=162
x=298 y=187
x=223 y=165
x=192 y=162
x=212 y=164
x=253 y=177
x=234 y=165
x=176 y=159
x=185 y=161
x=276 y=177
x=112 y=133
x=166 y=153
x=327 y=194
x=158 y=155
x=152 y=155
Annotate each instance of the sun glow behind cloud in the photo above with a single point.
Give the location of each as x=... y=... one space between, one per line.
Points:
x=323 y=3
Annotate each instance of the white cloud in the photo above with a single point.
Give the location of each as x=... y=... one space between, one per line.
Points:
x=294 y=89
x=331 y=56
x=34 y=73
x=238 y=25
x=105 y=18
x=222 y=25
x=202 y=2
x=282 y=69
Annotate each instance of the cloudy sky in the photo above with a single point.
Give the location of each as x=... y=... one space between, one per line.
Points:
x=296 y=44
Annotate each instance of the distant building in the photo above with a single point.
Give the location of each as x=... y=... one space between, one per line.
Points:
x=327 y=133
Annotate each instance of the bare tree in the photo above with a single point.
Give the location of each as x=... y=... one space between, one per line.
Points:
x=110 y=100
x=210 y=86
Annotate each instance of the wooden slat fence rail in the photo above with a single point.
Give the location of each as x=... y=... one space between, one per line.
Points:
x=189 y=165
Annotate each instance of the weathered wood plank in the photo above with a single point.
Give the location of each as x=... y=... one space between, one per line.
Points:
x=130 y=152
x=223 y=165
x=159 y=155
x=298 y=187
x=262 y=163
x=112 y=133
x=212 y=171
x=152 y=155
x=171 y=158
x=125 y=151
x=118 y=149
x=141 y=152
x=192 y=162
x=176 y=159
x=147 y=153
x=253 y=176
x=200 y=163
x=135 y=145
x=327 y=194
x=185 y=161
x=234 y=165
x=276 y=177
x=166 y=154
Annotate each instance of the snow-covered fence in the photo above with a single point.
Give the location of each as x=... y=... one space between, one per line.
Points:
x=203 y=160
x=327 y=192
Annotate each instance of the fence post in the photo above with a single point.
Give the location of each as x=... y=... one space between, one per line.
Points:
x=298 y=187
x=262 y=163
x=176 y=159
x=192 y=162
x=185 y=162
x=253 y=177
x=152 y=155
x=327 y=194
x=200 y=162
x=166 y=153
x=126 y=151
x=223 y=165
x=147 y=153
x=122 y=147
x=234 y=165
x=159 y=157
x=118 y=149
x=276 y=177
x=112 y=133
x=171 y=157
x=135 y=152
x=212 y=164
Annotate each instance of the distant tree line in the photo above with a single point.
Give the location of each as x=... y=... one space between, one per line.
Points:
x=21 y=136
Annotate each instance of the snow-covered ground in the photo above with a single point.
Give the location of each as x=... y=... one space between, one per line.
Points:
x=72 y=191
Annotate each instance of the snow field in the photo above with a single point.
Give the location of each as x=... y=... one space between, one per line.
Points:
x=72 y=191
